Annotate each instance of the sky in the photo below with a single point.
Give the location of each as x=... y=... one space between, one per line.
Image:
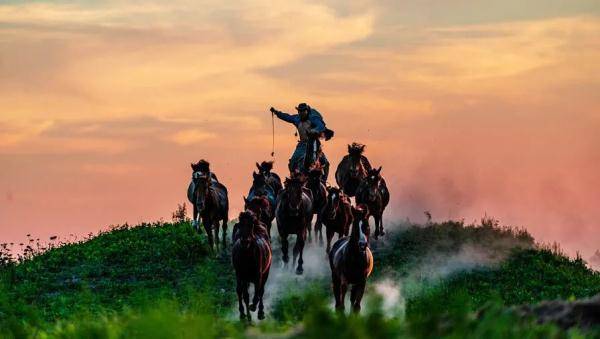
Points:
x=473 y=108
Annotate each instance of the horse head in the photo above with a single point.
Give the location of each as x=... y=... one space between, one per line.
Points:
x=355 y=151
x=257 y=204
x=360 y=233
x=201 y=166
x=333 y=202
x=202 y=183
x=245 y=231
x=294 y=193
x=259 y=184
x=373 y=181
x=265 y=167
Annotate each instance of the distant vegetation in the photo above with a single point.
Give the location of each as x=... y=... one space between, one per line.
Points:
x=158 y=280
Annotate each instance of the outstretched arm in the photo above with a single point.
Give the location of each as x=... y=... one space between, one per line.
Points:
x=292 y=119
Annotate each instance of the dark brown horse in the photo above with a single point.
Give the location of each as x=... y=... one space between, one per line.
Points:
x=266 y=168
x=251 y=257
x=261 y=188
x=211 y=205
x=261 y=206
x=337 y=215
x=374 y=193
x=351 y=263
x=319 y=195
x=294 y=214
x=352 y=169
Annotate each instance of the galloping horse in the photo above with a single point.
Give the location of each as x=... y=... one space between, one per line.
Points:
x=261 y=188
x=374 y=193
x=319 y=195
x=211 y=203
x=351 y=262
x=261 y=206
x=352 y=169
x=251 y=256
x=294 y=213
x=337 y=215
x=265 y=168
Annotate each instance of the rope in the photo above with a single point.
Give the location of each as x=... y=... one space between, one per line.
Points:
x=273 y=127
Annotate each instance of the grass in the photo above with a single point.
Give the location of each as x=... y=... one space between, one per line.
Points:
x=159 y=280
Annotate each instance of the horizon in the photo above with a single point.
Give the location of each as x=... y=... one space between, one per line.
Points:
x=472 y=108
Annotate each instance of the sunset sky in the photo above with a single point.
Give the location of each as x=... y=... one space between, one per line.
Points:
x=471 y=107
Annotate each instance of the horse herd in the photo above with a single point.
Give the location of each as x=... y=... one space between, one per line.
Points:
x=294 y=204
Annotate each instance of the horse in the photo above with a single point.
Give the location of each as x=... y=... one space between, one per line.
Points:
x=293 y=214
x=211 y=204
x=260 y=187
x=351 y=263
x=261 y=206
x=352 y=169
x=374 y=193
x=337 y=215
x=265 y=168
x=251 y=257
x=319 y=194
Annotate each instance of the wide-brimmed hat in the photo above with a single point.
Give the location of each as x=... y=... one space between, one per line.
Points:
x=302 y=106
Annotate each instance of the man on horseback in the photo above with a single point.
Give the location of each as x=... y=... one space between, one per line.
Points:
x=309 y=123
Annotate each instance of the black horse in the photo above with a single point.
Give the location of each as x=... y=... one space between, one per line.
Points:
x=351 y=262
x=373 y=192
x=352 y=169
x=211 y=204
x=266 y=168
x=251 y=257
x=294 y=214
x=337 y=215
x=319 y=195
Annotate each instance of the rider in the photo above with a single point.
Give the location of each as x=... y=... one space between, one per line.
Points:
x=308 y=121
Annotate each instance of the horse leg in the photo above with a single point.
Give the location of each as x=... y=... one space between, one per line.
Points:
x=343 y=290
x=216 y=227
x=240 y=292
x=329 y=235
x=261 y=307
x=356 y=295
x=382 y=232
x=284 y=248
x=337 y=292
x=310 y=229
x=300 y=245
x=319 y=229
x=247 y=300
x=377 y=225
x=208 y=228
x=195 y=217
x=225 y=231
x=255 y=298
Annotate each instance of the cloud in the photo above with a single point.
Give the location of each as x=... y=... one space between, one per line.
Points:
x=191 y=136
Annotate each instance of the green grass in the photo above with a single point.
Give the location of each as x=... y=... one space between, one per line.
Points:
x=159 y=280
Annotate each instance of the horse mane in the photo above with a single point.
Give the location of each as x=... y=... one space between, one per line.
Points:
x=294 y=180
x=201 y=166
x=356 y=149
x=261 y=201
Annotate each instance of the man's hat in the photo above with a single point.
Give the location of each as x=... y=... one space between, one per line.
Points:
x=303 y=106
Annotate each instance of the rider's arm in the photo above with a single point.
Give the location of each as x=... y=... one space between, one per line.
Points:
x=292 y=119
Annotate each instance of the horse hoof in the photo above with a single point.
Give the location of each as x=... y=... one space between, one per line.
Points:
x=252 y=307
x=242 y=316
x=299 y=271
x=261 y=315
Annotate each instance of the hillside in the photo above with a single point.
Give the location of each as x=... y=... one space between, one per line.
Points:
x=159 y=280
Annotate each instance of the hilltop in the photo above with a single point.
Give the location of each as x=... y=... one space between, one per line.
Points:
x=160 y=280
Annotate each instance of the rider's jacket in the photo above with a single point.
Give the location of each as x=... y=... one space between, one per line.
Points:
x=314 y=123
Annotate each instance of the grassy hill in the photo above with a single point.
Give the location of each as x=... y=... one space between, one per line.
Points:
x=159 y=280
